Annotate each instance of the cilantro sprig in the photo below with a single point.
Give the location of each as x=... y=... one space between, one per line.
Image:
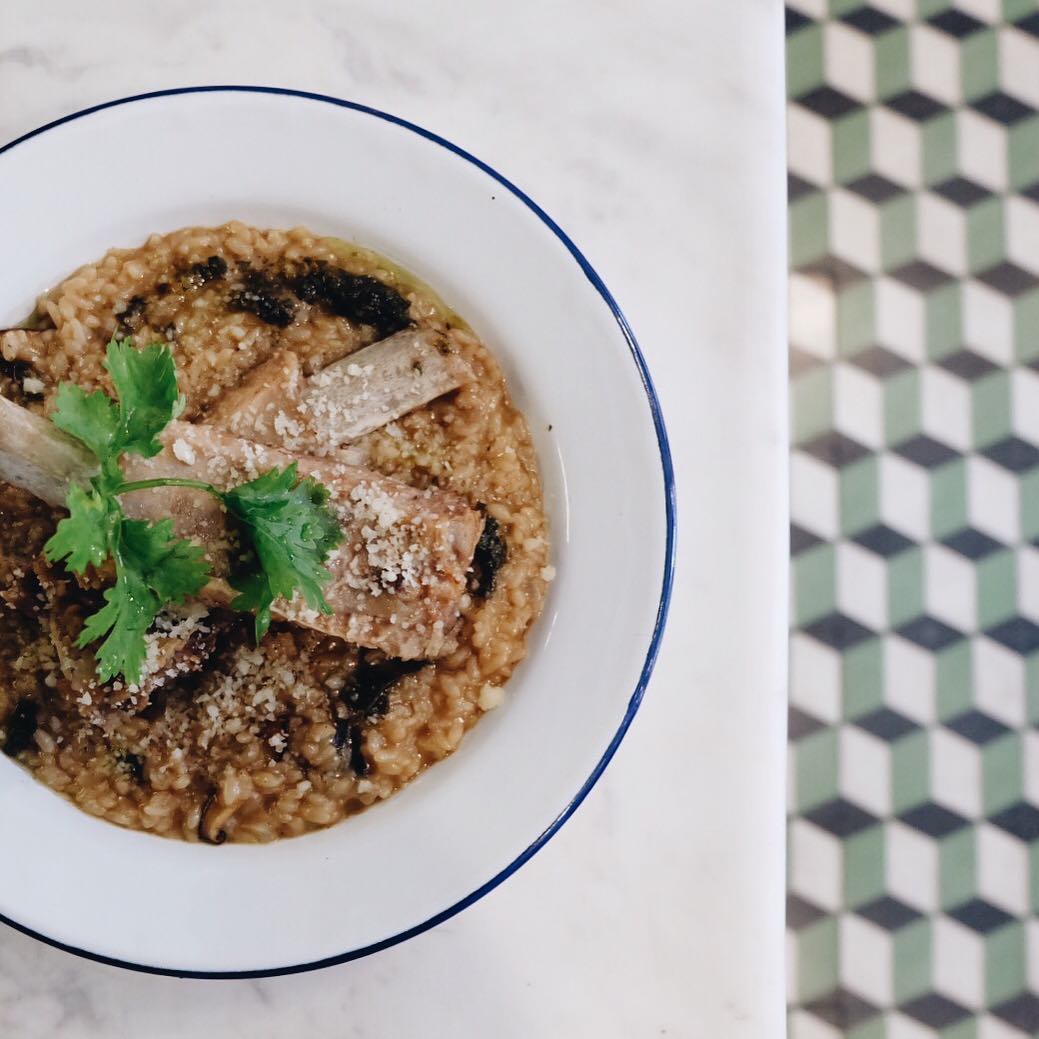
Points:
x=285 y=528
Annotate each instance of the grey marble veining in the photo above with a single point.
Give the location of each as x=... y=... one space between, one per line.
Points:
x=654 y=134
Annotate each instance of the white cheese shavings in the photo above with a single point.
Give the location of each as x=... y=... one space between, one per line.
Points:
x=183 y=451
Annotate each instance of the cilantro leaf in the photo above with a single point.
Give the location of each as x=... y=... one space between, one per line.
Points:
x=153 y=568
x=286 y=526
x=255 y=595
x=129 y=610
x=284 y=523
x=145 y=382
x=173 y=568
x=146 y=386
x=84 y=538
x=92 y=418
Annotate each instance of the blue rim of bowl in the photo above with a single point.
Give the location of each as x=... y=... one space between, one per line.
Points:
x=669 y=548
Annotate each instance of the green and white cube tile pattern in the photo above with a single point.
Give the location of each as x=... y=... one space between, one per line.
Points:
x=914 y=717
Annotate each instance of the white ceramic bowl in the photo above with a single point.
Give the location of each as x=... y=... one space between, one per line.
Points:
x=111 y=175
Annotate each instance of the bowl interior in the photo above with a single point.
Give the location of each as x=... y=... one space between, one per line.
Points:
x=120 y=173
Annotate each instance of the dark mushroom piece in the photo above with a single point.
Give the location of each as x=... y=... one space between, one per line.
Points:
x=261 y=296
x=21 y=727
x=489 y=557
x=366 y=691
x=211 y=821
x=213 y=269
x=357 y=297
x=349 y=737
x=133 y=316
x=342 y=733
x=358 y=762
x=134 y=764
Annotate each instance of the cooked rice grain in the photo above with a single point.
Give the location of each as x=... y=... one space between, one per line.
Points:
x=209 y=754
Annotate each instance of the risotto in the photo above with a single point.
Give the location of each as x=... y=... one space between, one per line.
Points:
x=287 y=346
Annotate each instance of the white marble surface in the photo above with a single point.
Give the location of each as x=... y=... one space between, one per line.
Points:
x=654 y=134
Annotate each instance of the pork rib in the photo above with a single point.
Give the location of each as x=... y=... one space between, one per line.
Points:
x=276 y=404
x=397 y=577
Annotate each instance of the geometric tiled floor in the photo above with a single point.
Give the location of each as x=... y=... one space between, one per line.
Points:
x=914 y=717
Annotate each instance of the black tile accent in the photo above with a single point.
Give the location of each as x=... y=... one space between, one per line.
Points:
x=972 y=543
x=930 y=633
x=1013 y=453
x=869 y=20
x=961 y=191
x=922 y=276
x=841 y=818
x=801 y=914
x=795 y=20
x=980 y=916
x=1029 y=24
x=800 y=724
x=875 y=188
x=801 y=540
x=934 y=820
x=828 y=102
x=915 y=105
x=839 y=273
x=1018 y=633
x=834 y=448
x=880 y=361
x=888 y=913
x=977 y=727
x=935 y=1010
x=1032 y=191
x=967 y=364
x=886 y=724
x=1008 y=278
x=838 y=631
x=1002 y=108
x=797 y=187
x=842 y=1009
x=801 y=361
x=956 y=23
x=1021 y=820
x=883 y=540
x=1022 y=1011
x=926 y=451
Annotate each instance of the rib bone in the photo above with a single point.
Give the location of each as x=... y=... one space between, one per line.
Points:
x=36 y=456
x=276 y=405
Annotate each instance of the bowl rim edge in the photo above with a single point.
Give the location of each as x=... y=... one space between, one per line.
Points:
x=670 y=513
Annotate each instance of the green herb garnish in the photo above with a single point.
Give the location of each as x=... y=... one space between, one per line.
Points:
x=284 y=525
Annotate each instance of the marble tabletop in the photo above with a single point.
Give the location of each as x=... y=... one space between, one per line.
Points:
x=654 y=134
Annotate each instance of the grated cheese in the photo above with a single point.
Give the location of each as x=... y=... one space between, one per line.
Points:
x=183 y=451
